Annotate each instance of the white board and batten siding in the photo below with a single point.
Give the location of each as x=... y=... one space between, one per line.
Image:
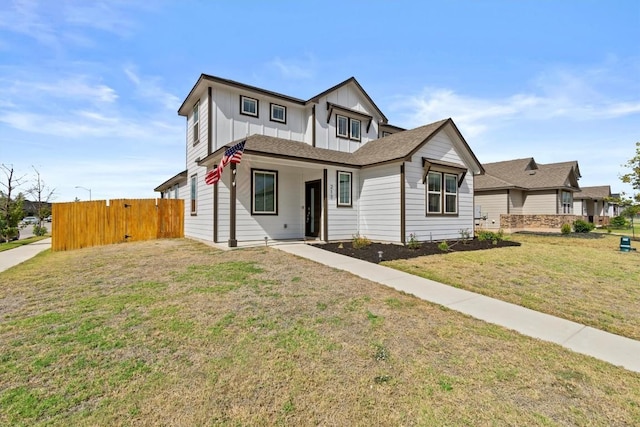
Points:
x=436 y=227
x=379 y=204
x=492 y=204
x=229 y=125
x=349 y=97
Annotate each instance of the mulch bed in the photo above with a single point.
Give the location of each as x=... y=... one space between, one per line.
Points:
x=391 y=251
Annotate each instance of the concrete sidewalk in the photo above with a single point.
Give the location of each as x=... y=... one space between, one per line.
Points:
x=615 y=349
x=22 y=253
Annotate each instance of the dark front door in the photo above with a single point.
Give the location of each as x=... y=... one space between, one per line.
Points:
x=312 y=208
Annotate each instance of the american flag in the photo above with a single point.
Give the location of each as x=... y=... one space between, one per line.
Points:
x=231 y=155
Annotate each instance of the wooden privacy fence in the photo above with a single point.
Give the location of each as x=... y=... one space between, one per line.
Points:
x=82 y=224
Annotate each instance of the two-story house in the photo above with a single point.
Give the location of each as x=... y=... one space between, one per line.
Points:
x=326 y=168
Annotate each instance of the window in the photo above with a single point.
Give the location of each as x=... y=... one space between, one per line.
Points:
x=342 y=126
x=450 y=194
x=265 y=192
x=355 y=129
x=196 y=126
x=248 y=106
x=348 y=128
x=434 y=192
x=278 y=113
x=567 y=202
x=442 y=199
x=344 y=188
x=194 y=193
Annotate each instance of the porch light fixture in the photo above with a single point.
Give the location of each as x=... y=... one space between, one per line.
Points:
x=379 y=256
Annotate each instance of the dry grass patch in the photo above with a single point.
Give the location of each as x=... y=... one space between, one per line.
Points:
x=584 y=279
x=173 y=332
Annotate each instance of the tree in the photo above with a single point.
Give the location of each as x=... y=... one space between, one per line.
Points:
x=41 y=195
x=10 y=205
x=633 y=177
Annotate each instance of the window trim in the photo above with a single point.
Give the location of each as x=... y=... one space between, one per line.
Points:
x=196 y=123
x=443 y=194
x=284 y=113
x=346 y=119
x=248 y=113
x=193 y=194
x=569 y=204
x=341 y=204
x=351 y=122
x=275 y=192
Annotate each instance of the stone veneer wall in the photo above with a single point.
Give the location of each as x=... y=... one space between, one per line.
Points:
x=512 y=222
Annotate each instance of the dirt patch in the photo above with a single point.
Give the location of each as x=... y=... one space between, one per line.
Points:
x=392 y=251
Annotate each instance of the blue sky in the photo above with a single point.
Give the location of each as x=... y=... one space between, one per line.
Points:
x=89 y=89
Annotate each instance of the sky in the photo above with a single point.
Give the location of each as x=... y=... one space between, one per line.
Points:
x=89 y=90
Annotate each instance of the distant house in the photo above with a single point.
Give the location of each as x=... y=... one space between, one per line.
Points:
x=522 y=194
x=324 y=168
x=592 y=203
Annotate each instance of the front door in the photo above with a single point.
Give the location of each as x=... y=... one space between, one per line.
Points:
x=312 y=208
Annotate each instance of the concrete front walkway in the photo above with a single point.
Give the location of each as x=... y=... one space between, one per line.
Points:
x=611 y=348
x=22 y=253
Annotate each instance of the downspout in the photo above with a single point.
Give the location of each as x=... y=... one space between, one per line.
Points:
x=232 y=209
x=403 y=224
x=209 y=151
x=508 y=202
x=215 y=213
x=209 y=121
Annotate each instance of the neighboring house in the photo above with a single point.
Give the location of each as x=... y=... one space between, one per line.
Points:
x=522 y=194
x=592 y=203
x=327 y=168
x=173 y=187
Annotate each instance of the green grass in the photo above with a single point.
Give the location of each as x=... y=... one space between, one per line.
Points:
x=581 y=278
x=173 y=332
x=5 y=246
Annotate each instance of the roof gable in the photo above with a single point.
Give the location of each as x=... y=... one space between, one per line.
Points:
x=527 y=174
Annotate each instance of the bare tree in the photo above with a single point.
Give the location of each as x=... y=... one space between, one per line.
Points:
x=41 y=195
x=10 y=204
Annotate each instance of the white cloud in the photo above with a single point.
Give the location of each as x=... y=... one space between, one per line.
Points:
x=555 y=95
x=294 y=68
x=150 y=88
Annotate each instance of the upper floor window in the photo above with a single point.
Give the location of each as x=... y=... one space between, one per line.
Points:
x=355 y=129
x=248 y=106
x=278 y=113
x=196 y=124
x=342 y=126
x=347 y=127
x=344 y=188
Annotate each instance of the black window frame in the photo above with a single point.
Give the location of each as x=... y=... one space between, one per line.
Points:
x=193 y=194
x=338 y=134
x=245 y=113
x=196 y=123
x=275 y=191
x=284 y=113
x=339 y=204
x=442 y=194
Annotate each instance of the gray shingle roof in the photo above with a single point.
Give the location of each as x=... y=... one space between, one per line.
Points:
x=396 y=147
x=526 y=174
x=595 y=193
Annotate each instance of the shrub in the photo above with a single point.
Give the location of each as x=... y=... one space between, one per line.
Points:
x=443 y=246
x=465 y=234
x=39 y=231
x=490 y=235
x=413 y=242
x=566 y=228
x=582 y=226
x=360 y=242
x=619 y=222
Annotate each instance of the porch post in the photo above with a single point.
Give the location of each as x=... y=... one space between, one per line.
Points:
x=325 y=204
x=215 y=213
x=403 y=225
x=232 y=209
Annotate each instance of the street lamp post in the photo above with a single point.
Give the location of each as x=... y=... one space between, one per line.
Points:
x=85 y=188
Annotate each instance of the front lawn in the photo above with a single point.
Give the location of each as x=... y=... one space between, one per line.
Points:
x=173 y=332
x=584 y=278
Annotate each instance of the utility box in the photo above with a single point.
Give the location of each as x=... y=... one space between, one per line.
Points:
x=625 y=244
